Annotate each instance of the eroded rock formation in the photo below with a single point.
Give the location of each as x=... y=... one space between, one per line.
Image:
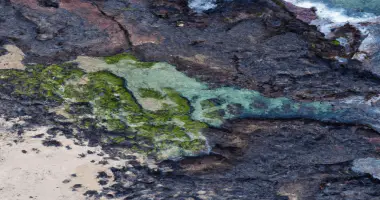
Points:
x=253 y=94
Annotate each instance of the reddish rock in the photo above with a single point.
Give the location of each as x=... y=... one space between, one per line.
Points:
x=138 y=34
x=79 y=27
x=304 y=14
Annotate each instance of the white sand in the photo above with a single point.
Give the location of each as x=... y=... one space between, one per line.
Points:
x=40 y=174
x=13 y=59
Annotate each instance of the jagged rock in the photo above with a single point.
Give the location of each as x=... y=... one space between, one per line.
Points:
x=248 y=44
x=243 y=44
x=307 y=15
x=236 y=45
x=51 y=34
x=49 y=3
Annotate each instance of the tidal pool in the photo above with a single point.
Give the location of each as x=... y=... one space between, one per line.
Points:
x=154 y=109
x=213 y=106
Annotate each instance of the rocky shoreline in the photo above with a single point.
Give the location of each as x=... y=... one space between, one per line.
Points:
x=121 y=75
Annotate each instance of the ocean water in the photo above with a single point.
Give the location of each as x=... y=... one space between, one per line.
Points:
x=351 y=7
x=341 y=11
x=231 y=103
x=363 y=14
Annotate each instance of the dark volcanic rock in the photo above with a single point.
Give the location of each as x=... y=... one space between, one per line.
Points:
x=297 y=159
x=245 y=44
x=249 y=44
x=305 y=14
x=49 y=3
x=52 y=143
x=51 y=34
x=257 y=159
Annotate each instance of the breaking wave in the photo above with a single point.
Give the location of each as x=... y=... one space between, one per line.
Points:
x=331 y=16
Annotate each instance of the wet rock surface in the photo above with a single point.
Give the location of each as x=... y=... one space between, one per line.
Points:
x=253 y=45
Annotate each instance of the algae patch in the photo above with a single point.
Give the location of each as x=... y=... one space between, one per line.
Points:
x=156 y=109
x=100 y=99
x=161 y=81
x=212 y=106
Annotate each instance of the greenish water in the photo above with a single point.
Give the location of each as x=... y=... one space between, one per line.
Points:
x=156 y=110
x=214 y=106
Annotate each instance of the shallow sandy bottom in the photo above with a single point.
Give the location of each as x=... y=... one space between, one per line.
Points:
x=39 y=173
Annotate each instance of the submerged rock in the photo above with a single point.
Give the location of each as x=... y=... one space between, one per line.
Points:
x=154 y=109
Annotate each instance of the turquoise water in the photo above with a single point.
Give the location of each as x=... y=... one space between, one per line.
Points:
x=342 y=10
x=363 y=14
x=214 y=106
x=354 y=6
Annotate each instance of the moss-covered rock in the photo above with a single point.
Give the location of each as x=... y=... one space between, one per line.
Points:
x=40 y=82
x=101 y=100
x=128 y=58
x=119 y=98
x=150 y=93
x=335 y=42
x=116 y=58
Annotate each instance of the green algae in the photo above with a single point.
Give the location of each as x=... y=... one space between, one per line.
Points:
x=182 y=104
x=113 y=107
x=118 y=139
x=188 y=97
x=195 y=99
x=113 y=94
x=335 y=42
x=207 y=104
x=150 y=93
x=116 y=58
x=129 y=58
x=40 y=82
x=119 y=87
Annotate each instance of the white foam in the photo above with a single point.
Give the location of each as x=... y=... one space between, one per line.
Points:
x=330 y=18
x=334 y=15
x=202 y=5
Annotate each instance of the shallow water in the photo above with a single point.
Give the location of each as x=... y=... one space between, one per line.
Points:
x=213 y=106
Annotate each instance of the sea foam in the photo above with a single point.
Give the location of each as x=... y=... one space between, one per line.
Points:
x=202 y=5
x=330 y=17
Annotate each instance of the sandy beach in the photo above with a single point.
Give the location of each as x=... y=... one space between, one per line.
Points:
x=30 y=170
